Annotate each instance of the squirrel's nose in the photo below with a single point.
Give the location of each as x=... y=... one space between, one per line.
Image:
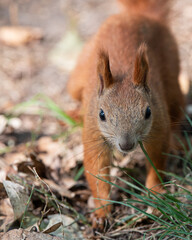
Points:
x=126 y=144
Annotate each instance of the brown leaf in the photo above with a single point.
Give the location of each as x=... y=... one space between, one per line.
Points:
x=6 y=213
x=23 y=234
x=71 y=157
x=18 y=197
x=3 y=123
x=18 y=35
x=62 y=190
x=50 y=150
x=35 y=162
x=184 y=81
x=69 y=226
x=3 y=193
x=68 y=182
x=13 y=158
x=5 y=169
x=53 y=228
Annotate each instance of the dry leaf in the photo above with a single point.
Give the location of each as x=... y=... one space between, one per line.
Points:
x=17 y=35
x=15 y=123
x=71 y=157
x=184 y=82
x=3 y=122
x=5 y=169
x=62 y=190
x=34 y=163
x=6 y=213
x=3 y=193
x=69 y=227
x=53 y=228
x=18 y=197
x=50 y=151
x=59 y=155
x=68 y=182
x=13 y=158
x=20 y=234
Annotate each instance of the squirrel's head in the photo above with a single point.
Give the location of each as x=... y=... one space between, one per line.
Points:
x=124 y=105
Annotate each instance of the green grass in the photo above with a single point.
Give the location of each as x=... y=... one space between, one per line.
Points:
x=175 y=209
x=150 y=161
x=47 y=106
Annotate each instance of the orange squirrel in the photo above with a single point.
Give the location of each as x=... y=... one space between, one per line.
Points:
x=127 y=80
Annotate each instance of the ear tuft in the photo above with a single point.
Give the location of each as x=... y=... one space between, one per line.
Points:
x=104 y=72
x=141 y=67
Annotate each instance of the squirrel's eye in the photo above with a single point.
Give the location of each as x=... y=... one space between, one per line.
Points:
x=102 y=115
x=147 y=113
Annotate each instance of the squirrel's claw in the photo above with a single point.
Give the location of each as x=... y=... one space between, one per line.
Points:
x=99 y=224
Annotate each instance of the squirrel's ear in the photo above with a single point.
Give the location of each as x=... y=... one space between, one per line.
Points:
x=104 y=72
x=141 y=67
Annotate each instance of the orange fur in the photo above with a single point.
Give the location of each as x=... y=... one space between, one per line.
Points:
x=129 y=66
x=158 y=9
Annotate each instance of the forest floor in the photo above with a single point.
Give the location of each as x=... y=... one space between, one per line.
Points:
x=40 y=154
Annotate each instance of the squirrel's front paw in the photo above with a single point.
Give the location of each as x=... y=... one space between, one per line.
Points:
x=99 y=224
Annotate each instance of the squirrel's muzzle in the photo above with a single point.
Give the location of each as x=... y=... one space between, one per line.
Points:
x=126 y=143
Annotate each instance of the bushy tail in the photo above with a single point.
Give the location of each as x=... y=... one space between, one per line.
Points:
x=158 y=9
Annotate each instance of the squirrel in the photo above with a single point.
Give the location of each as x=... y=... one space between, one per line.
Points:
x=127 y=80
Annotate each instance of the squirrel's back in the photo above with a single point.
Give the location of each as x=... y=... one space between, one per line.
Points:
x=158 y=9
x=119 y=29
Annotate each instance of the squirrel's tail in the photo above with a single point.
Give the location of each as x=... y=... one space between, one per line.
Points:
x=158 y=9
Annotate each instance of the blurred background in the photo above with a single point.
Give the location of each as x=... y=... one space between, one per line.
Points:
x=39 y=58
x=39 y=44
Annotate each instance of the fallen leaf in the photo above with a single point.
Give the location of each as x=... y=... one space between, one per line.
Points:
x=18 y=35
x=21 y=234
x=71 y=157
x=68 y=182
x=50 y=150
x=3 y=123
x=15 y=123
x=5 y=169
x=69 y=227
x=184 y=81
x=62 y=156
x=13 y=158
x=53 y=228
x=62 y=190
x=18 y=197
x=34 y=162
x=3 y=193
x=6 y=213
